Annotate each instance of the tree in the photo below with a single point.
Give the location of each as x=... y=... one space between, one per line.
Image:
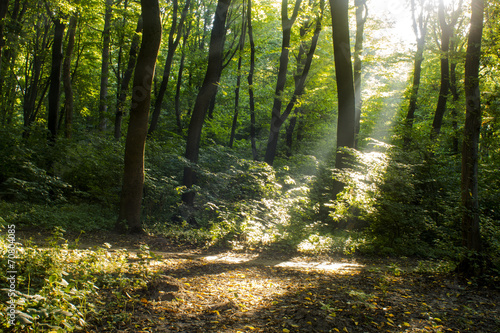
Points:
x=133 y=175
x=446 y=34
x=471 y=238
x=286 y=25
x=106 y=40
x=4 y=5
x=419 y=25
x=361 y=15
x=251 y=99
x=241 y=46
x=34 y=64
x=173 y=42
x=125 y=81
x=68 y=89
x=304 y=60
x=55 y=77
x=206 y=93
x=345 y=85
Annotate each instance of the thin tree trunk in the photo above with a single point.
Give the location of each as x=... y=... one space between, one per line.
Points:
x=471 y=238
x=358 y=50
x=177 y=98
x=55 y=78
x=207 y=91
x=453 y=109
x=127 y=76
x=175 y=30
x=106 y=39
x=238 y=78
x=4 y=6
x=68 y=90
x=445 y=72
x=420 y=30
x=34 y=72
x=250 y=82
x=133 y=174
x=289 y=135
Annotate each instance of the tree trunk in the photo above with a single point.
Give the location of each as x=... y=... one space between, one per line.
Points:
x=453 y=110
x=127 y=76
x=4 y=5
x=445 y=72
x=420 y=30
x=55 y=78
x=344 y=78
x=175 y=29
x=358 y=50
x=133 y=175
x=238 y=78
x=471 y=238
x=289 y=135
x=68 y=90
x=106 y=39
x=251 y=99
x=207 y=91
x=287 y=23
x=34 y=72
x=177 y=99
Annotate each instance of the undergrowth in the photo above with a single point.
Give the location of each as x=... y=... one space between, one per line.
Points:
x=59 y=288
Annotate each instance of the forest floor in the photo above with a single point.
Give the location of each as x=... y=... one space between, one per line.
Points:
x=196 y=290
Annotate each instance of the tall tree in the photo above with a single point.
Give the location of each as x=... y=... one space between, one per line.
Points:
x=446 y=34
x=419 y=25
x=361 y=15
x=251 y=99
x=286 y=26
x=133 y=174
x=55 y=77
x=4 y=5
x=125 y=81
x=344 y=77
x=68 y=89
x=304 y=62
x=471 y=238
x=177 y=98
x=174 y=38
x=241 y=46
x=207 y=91
x=106 y=40
x=33 y=69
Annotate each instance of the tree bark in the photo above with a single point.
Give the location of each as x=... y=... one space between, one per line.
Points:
x=251 y=99
x=127 y=76
x=344 y=78
x=175 y=30
x=420 y=30
x=205 y=94
x=471 y=238
x=34 y=72
x=276 y=122
x=55 y=78
x=177 y=98
x=133 y=175
x=106 y=39
x=445 y=72
x=68 y=89
x=238 y=78
x=361 y=15
x=4 y=6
